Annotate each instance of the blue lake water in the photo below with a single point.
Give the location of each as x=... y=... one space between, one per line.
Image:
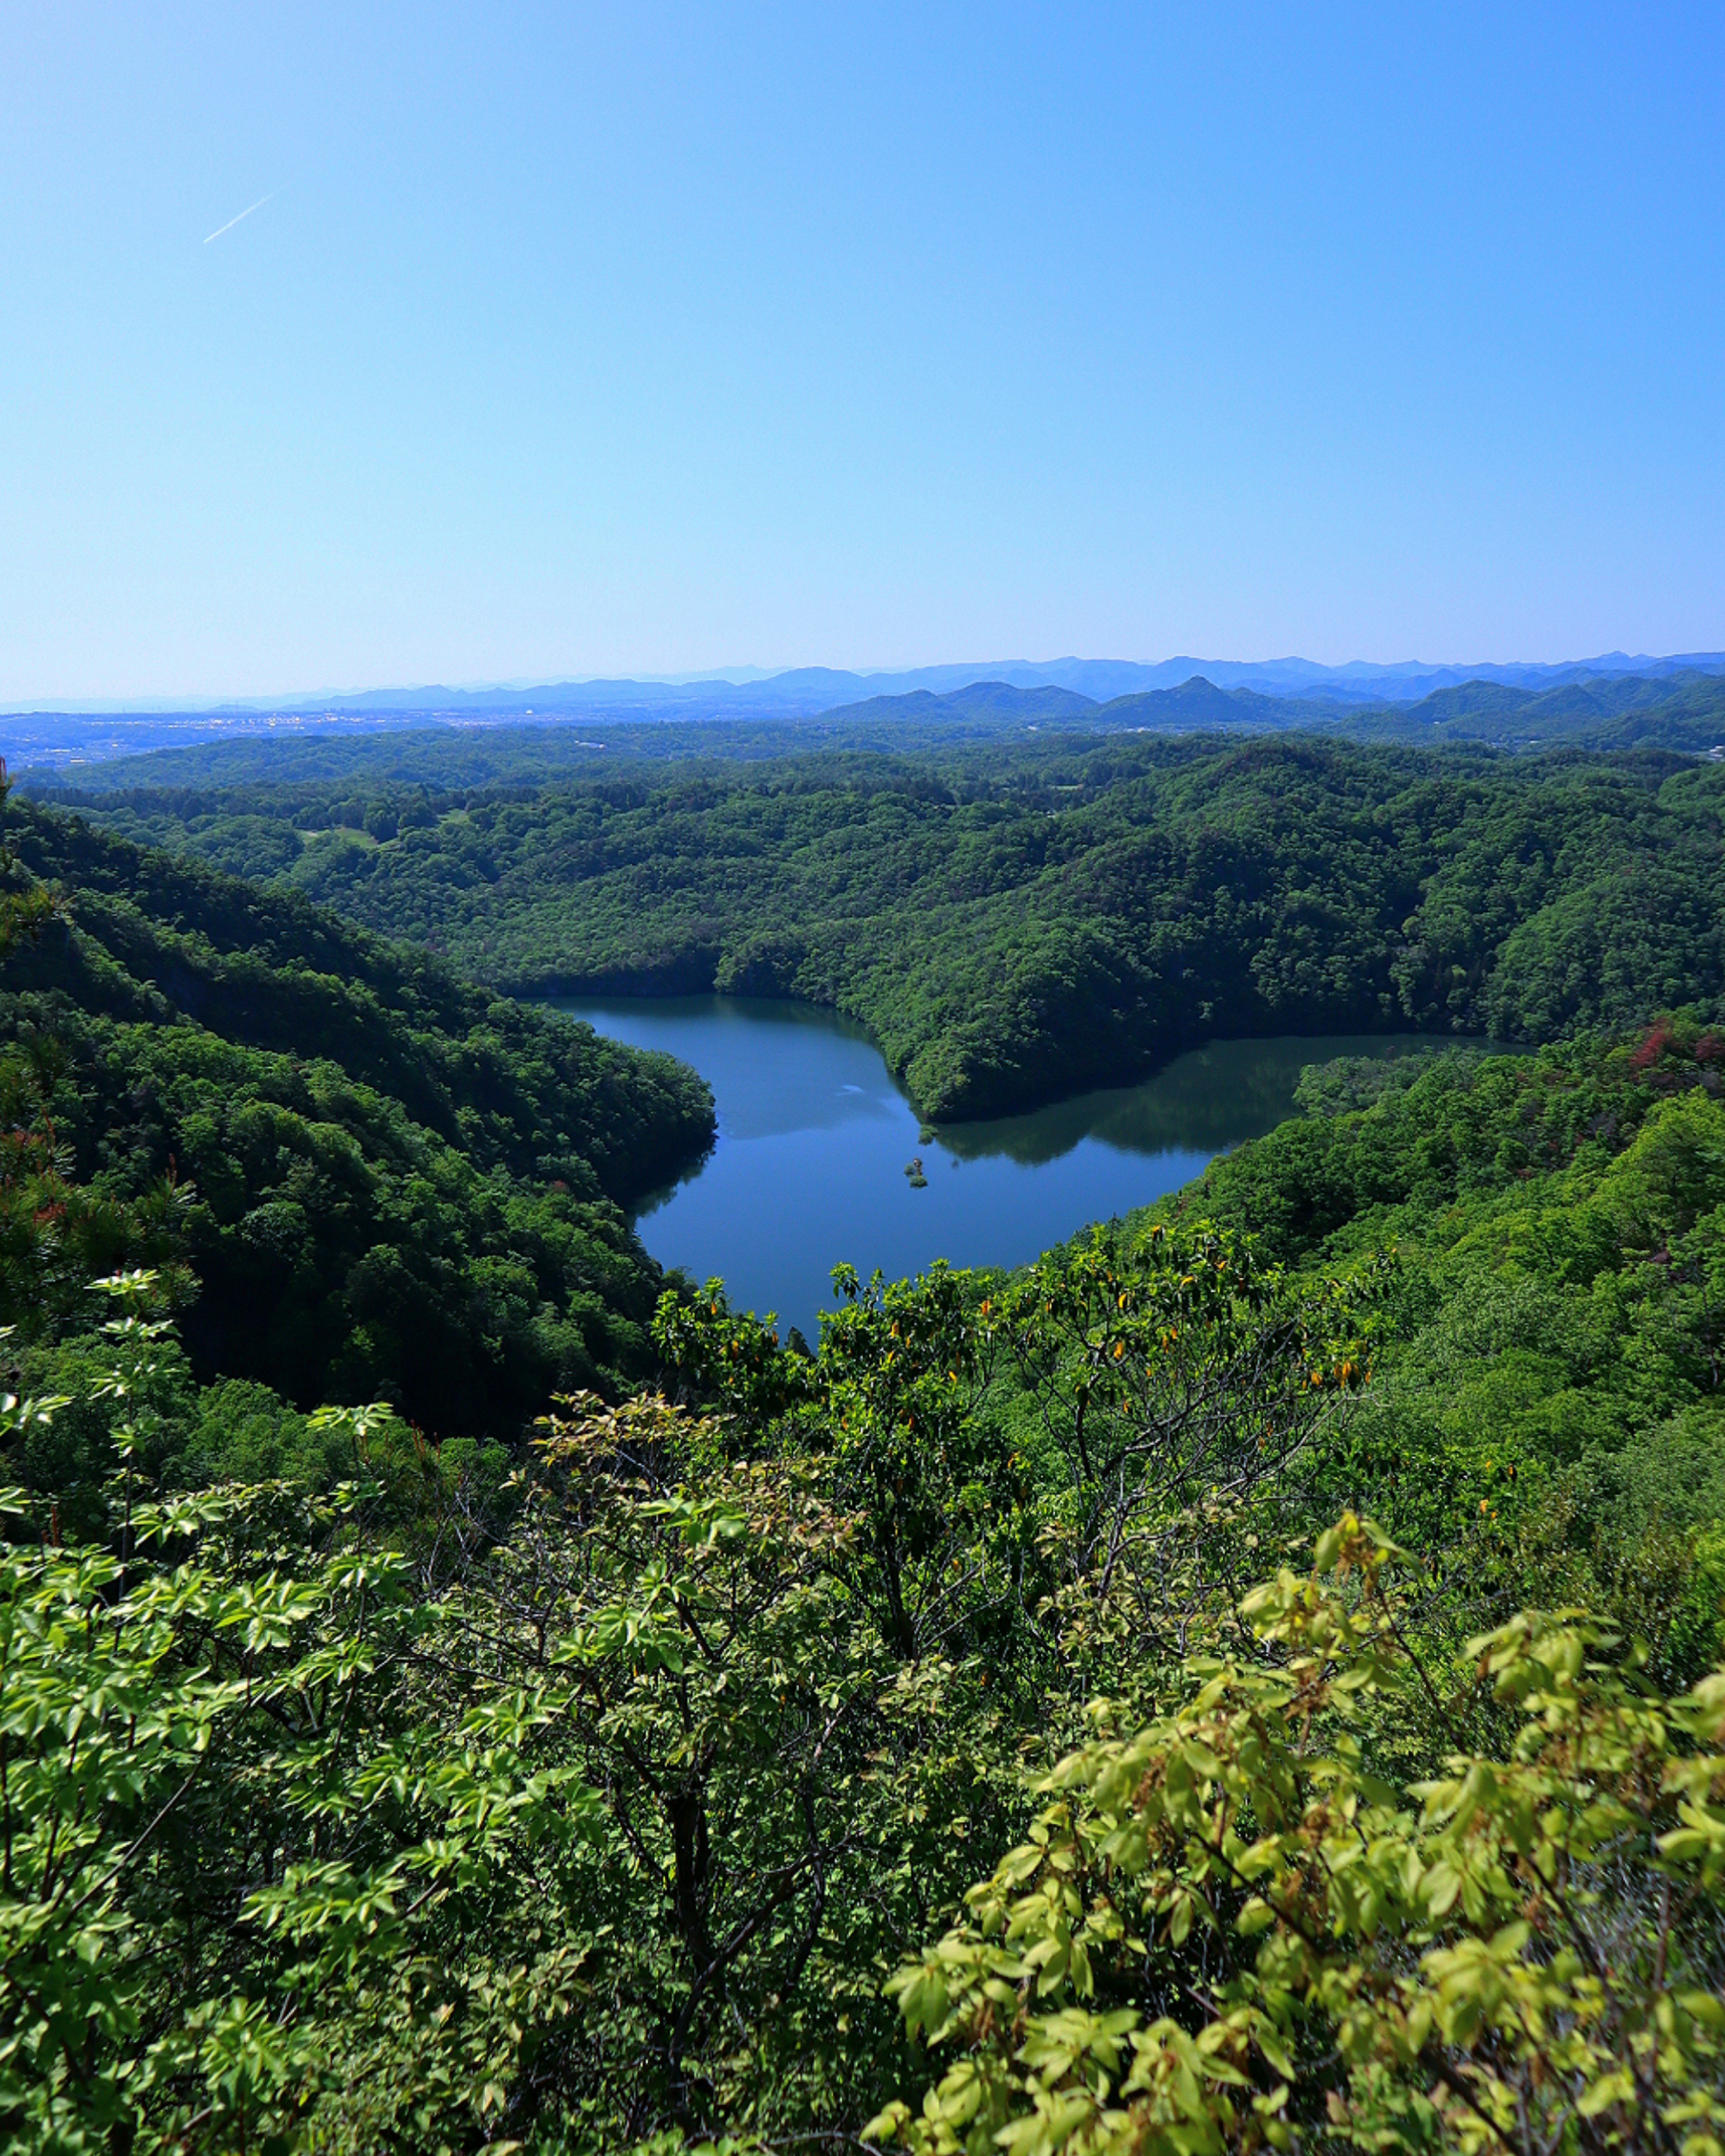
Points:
x=814 y=1139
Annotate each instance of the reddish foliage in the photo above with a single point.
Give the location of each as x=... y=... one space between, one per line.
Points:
x=1658 y=1040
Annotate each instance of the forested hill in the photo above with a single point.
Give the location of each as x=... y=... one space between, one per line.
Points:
x=380 y=1176
x=1015 y=1727
x=1040 y=1640
x=1015 y=920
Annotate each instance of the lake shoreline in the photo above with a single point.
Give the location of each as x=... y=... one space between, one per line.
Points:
x=677 y=983
x=820 y=1156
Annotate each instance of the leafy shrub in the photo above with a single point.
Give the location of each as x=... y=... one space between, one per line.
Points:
x=1229 y=1929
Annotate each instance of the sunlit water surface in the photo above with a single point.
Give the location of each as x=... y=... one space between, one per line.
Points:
x=814 y=1139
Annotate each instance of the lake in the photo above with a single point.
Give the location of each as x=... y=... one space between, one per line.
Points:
x=814 y=1139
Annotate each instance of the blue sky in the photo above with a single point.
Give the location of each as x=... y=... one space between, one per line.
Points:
x=582 y=340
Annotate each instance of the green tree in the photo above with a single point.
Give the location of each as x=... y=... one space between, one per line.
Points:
x=1229 y=1930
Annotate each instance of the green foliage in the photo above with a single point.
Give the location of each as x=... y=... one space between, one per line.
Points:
x=1020 y=919
x=1555 y=1363
x=366 y=1786
x=1078 y=1426
x=55 y=1232
x=1229 y=1930
x=727 y=1356
x=592 y=1801
x=240 y=1819
x=139 y=938
x=371 y=1176
x=390 y=1818
x=129 y=1380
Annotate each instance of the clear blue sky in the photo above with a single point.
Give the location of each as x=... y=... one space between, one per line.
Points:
x=579 y=340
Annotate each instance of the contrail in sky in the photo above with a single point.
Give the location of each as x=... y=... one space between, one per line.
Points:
x=232 y=221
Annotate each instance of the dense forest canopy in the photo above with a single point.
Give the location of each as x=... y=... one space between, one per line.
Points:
x=375 y=1174
x=1005 y=1730
x=1253 y=1680
x=1015 y=920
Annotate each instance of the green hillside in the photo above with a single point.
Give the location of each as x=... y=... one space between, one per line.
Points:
x=679 y=1784
x=1019 y=921
x=378 y=1177
x=1558 y=1219
x=1253 y=1680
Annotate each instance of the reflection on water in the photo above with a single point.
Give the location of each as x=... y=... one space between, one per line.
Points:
x=814 y=1139
x=1212 y=1098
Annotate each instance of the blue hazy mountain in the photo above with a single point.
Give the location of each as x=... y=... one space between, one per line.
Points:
x=1032 y=692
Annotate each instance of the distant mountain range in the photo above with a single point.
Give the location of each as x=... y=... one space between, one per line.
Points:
x=1232 y=692
x=1679 y=709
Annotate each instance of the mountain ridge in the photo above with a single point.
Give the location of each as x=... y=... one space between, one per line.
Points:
x=1223 y=694
x=1099 y=678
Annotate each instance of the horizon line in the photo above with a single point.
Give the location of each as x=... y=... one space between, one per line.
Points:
x=755 y=677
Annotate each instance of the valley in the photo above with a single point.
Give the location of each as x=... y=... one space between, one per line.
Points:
x=594 y=1681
